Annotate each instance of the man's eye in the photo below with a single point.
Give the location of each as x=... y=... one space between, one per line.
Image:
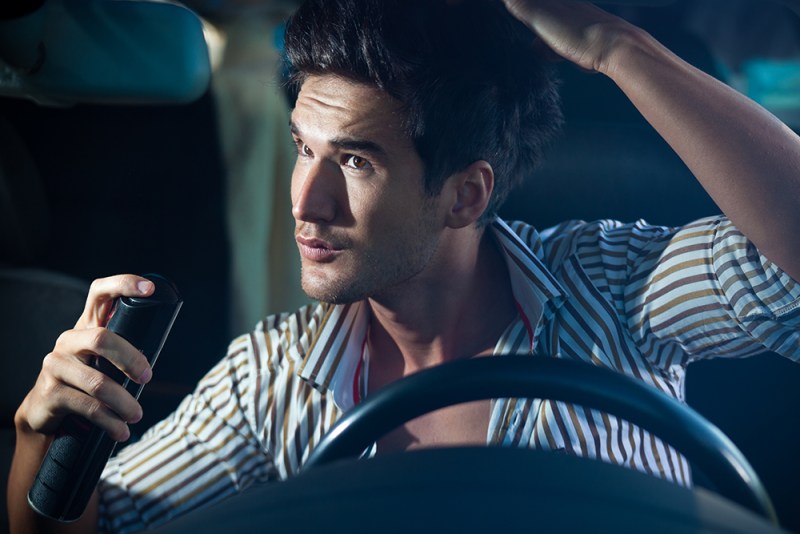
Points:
x=302 y=148
x=356 y=162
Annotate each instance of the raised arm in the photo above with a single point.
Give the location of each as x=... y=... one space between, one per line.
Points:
x=747 y=160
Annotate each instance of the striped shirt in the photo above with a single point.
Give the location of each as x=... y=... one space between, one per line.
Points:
x=642 y=300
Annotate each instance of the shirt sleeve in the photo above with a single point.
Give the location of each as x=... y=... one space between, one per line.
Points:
x=205 y=451
x=706 y=289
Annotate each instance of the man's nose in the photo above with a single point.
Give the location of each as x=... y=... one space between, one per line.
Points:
x=314 y=190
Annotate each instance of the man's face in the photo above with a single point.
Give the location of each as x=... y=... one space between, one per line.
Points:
x=364 y=225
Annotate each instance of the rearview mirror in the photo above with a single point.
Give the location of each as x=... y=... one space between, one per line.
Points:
x=118 y=52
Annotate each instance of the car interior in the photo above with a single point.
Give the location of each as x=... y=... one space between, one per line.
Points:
x=112 y=161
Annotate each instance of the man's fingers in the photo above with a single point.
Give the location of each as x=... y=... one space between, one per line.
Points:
x=64 y=376
x=102 y=293
x=104 y=343
x=94 y=411
x=69 y=383
x=58 y=393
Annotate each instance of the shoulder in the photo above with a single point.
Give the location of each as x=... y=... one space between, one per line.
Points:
x=600 y=240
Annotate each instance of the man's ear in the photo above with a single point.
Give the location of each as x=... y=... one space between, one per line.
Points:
x=470 y=191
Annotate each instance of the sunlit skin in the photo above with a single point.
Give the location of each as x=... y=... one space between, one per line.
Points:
x=366 y=229
x=364 y=224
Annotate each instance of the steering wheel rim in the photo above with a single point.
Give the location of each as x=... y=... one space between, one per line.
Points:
x=515 y=376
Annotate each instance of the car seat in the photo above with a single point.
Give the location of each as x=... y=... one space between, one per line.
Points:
x=37 y=304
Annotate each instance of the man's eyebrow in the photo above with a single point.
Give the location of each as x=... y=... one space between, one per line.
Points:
x=349 y=143
x=359 y=145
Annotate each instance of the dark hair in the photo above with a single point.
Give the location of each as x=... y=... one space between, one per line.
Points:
x=471 y=83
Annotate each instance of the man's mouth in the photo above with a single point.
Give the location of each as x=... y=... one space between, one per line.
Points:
x=316 y=250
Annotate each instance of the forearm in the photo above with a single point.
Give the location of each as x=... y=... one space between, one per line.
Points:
x=28 y=454
x=747 y=160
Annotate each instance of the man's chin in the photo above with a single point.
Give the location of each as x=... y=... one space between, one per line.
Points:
x=331 y=294
x=332 y=298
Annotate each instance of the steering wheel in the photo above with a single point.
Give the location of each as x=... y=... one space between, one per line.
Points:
x=504 y=376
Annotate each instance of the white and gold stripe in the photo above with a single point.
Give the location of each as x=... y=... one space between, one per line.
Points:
x=642 y=300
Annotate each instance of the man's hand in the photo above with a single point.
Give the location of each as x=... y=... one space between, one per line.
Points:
x=68 y=384
x=576 y=31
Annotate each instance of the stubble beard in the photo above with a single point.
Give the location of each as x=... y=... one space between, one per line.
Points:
x=380 y=273
x=377 y=277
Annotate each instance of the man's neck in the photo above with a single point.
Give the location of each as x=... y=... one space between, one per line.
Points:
x=458 y=311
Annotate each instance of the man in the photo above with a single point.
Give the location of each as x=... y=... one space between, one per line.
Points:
x=407 y=139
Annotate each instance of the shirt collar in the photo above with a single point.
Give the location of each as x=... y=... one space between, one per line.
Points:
x=537 y=292
x=334 y=349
